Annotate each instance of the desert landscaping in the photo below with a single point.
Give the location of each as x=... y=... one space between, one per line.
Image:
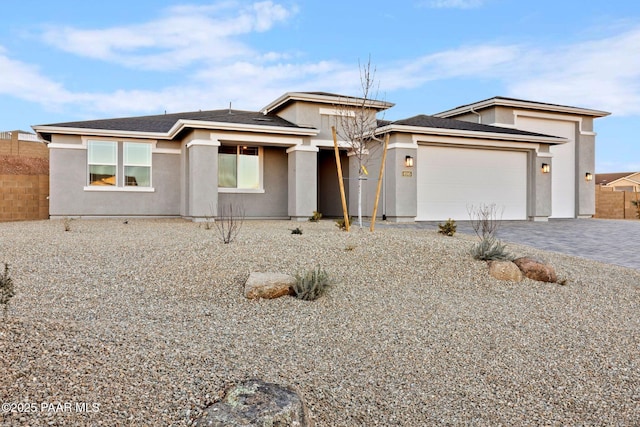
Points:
x=145 y=323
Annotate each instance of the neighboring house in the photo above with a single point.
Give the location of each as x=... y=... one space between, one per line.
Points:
x=622 y=181
x=528 y=158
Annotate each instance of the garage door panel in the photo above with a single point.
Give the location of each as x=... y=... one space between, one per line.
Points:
x=451 y=180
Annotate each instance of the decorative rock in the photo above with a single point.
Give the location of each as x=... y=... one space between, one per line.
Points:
x=268 y=285
x=536 y=270
x=256 y=403
x=505 y=270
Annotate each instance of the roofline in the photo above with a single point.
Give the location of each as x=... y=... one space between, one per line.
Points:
x=180 y=125
x=506 y=102
x=470 y=133
x=624 y=177
x=323 y=99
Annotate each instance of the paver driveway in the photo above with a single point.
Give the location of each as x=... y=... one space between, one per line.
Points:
x=606 y=240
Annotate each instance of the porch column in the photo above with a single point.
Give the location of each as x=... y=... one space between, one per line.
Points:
x=540 y=186
x=202 y=190
x=585 y=162
x=303 y=181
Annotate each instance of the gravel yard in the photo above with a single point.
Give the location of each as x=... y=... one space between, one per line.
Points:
x=145 y=324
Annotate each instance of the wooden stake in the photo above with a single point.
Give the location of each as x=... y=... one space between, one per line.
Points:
x=375 y=205
x=340 y=180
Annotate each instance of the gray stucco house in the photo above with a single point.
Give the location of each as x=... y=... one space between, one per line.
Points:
x=533 y=159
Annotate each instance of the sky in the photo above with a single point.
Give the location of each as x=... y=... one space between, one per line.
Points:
x=69 y=60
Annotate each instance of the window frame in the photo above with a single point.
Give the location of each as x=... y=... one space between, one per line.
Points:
x=113 y=164
x=126 y=164
x=120 y=185
x=260 y=188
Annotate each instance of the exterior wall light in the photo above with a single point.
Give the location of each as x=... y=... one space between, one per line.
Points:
x=546 y=168
x=588 y=176
x=408 y=161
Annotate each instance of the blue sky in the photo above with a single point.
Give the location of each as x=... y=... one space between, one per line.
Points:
x=68 y=60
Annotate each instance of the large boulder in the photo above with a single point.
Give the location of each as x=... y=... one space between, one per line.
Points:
x=536 y=270
x=269 y=285
x=257 y=403
x=505 y=270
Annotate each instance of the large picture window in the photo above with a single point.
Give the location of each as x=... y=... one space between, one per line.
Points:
x=119 y=164
x=239 y=167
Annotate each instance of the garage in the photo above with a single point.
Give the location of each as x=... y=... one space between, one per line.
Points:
x=451 y=179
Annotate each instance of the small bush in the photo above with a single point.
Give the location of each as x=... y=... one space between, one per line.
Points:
x=312 y=284
x=315 y=217
x=490 y=249
x=229 y=222
x=296 y=230
x=448 y=228
x=7 y=290
x=341 y=224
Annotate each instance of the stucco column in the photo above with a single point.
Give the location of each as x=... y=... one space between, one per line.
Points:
x=540 y=186
x=202 y=178
x=303 y=181
x=401 y=182
x=585 y=163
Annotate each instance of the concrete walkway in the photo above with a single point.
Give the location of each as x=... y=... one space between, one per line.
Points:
x=606 y=240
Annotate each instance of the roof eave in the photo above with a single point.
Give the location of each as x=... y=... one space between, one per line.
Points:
x=499 y=102
x=177 y=128
x=40 y=129
x=323 y=99
x=242 y=127
x=470 y=134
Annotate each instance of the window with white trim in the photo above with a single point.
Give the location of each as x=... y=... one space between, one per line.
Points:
x=137 y=164
x=103 y=162
x=239 y=167
x=118 y=164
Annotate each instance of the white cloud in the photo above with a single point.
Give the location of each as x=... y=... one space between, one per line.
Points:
x=467 y=61
x=453 y=4
x=182 y=36
x=602 y=74
x=25 y=81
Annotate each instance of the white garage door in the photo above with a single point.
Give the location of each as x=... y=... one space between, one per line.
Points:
x=452 y=179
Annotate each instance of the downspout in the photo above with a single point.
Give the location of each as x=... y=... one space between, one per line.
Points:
x=477 y=114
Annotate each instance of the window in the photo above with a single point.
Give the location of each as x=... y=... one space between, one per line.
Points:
x=239 y=167
x=103 y=161
x=137 y=164
x=118 y=164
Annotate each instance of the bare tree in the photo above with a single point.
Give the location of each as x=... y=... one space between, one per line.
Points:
x=357 y=122
x=229 y=222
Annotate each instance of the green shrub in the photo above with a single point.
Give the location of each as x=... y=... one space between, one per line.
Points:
x=315 y=217
x=490 y=249
x=448 y=228
x=312 y=284
x=341 y=224
x=296 y=230
x=7 y=290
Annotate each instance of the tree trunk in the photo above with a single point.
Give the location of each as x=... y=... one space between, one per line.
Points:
x=360 y=200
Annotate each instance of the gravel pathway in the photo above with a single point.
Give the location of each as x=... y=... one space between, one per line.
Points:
x=145 y=323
